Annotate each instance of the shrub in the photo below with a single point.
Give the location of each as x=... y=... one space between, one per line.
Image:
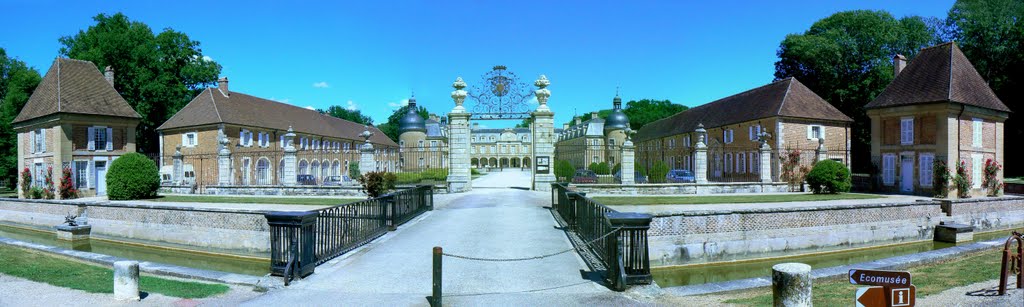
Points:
x=616 y=168
x=376 y=184
x=658 y=172
x=991 y=173
x=599 y=168
x=132 y=176
x=67 y=186
x=829 y=177
x=940 y=179
x=408 y=178
x=34 y=193
x=962 y=180
x=353 y=170
x=564 y=170
x=791 y=172
x=473 y=171
x=48 y=183
x=26 y=181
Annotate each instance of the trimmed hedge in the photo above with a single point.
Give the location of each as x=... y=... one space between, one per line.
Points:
x=432 y=175
x=132 y=176
x=658 y=172
x=564 y=170
x=599 y=168
x=829 y=177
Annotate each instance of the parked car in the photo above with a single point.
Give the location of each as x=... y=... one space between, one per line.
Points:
x=637 y=177
x=584 y=176
x=334 y=180
x=680 y=175
x=305 y=179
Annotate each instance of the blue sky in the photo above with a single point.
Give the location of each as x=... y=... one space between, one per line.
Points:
x=372 y=54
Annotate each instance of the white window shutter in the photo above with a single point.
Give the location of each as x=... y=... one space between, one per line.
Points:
x=92 y=139
x=44 y=139
x=90 y=174
x=110 y=138
x=184 y=139
x=32 y=141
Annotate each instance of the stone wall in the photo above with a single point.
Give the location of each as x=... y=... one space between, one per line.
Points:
x=310 y=190
x=240 y=232
x=681 y=188
x=725 y=235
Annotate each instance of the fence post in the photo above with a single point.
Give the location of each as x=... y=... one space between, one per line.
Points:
x=628 y=155
x=288 y=176
x=178 y=172
x=822 y=153
x=366 y=161
x=435 y=297
x=224 y=169
x=765 y=163
x=288 y=229
x=392 y=210
x=571 y=210
x=700 y=157
x=630 y=254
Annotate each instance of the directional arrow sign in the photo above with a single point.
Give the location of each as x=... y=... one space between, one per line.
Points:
x=891 y=279
x=870 y=297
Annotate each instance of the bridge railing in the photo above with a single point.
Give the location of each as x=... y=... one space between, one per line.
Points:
x=625 y=253
x=299 y=241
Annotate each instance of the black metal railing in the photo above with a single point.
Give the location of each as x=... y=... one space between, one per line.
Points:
x=299 y=241
x=625 y=254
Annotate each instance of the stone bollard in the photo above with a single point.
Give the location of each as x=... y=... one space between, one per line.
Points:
x=126 y=280
x=791 y=284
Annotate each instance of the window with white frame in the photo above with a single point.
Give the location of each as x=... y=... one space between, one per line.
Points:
x=245 y=138
x=39 y=140
x=924 y=171
x=889 y=169
x=907 y=131
x=741 y=161
x=754 y=132
x=686 y=140
x=755 y=166
x=671 y=143
x=280 y=142
x=815 y=132
x=611 y=142
x=190 y=139
x=99 y=138
x=81 y=174
x=728 y=163
x=727 y=135
x=672 y=162
x=976 y=132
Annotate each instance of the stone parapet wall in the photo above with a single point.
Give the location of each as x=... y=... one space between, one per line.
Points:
x=726 y=235
x=681 y=188
x=241 y=232
x=285 y=190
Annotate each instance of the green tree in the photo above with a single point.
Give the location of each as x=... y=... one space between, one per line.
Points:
x=991 y=35
x=17 y=81
x=846 y=59
x=390 y=128
x=156 y=73
x=346 y=114
x=644 y=111
x=525 y=124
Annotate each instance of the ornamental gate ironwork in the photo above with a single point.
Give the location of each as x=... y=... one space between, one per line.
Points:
x=500 y=95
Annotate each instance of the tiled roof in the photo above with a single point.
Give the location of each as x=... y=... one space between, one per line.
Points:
x=939 y=74
x=786 y=98
x=74 y=86
x=213 y=107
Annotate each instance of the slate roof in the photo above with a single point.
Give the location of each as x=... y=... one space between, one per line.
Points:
x=786 y=98
x=939 y=73
x=74 y=86
x=213 y=107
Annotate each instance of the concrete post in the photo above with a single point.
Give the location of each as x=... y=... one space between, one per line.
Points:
x=178 y=171
x=224 y=169
x=626 y=168
x=288 y=175
x=821 y=151
x=543 y=138
x=366 y=160
x=126 y=280
x=459 y=177
x=700 y=157
x=791 y=285
x=765 y=163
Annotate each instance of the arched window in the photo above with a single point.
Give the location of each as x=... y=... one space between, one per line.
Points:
x=314 y=169
x=263 y=171
x=336 y=168
x=741 y=163
x=280 y=171
x=325 y=169
x=303 y=167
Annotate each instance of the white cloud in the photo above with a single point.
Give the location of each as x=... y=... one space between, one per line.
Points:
x=321 y=84
x=396 y=105
x=351 y=106
x=533 y=100
x=207 y=58
x=310 y=108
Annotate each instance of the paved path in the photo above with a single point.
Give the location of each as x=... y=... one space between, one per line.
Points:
x=500 y=223
x=509 y=178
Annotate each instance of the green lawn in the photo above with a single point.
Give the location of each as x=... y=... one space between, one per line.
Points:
x=929 y=279
x=258 y=200
x=62 y=272
x=727 y=199
x=1019 y=180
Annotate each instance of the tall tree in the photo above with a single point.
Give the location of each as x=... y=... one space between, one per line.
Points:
x=346 y=114
x=846 y=59
x=156 y=73
x=390 y=128
x=644 y=111
x=991 y=35
x=17 y=81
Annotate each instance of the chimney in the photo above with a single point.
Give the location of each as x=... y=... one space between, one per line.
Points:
x=576 y=120
x=565 y=127
x=899 y=62
x=222 y=84
x=109 y=75
x=593 y=115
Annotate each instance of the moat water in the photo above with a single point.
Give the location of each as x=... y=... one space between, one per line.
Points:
x=198 y=260
x=726 y=271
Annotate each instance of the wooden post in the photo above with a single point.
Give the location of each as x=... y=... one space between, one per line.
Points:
x=435 y=298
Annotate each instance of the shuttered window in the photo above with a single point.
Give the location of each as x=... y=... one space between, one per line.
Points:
x=976 y=132
x=889 y=169
x=925 y=169
x=906 y=131
x=976 y=167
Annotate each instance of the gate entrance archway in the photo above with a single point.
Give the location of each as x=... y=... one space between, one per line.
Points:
x=500 y=95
